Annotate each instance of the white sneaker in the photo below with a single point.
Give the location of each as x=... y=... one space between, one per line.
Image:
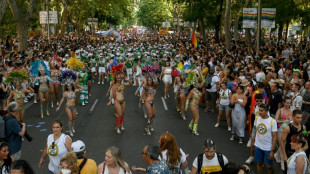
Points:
x=249 y=143
x=71 y=133
x=102 y=82
x=232 y=138
x=57 y=103
x=122 y=128
x=118 y=131
x=98 y=83
x=86 y=102
x=83 y=104
x=145 y=116
x=217 y=125
x=52 y=106
x=249 y=160
x=25 y=101
x=229 y=129
x=35 y=102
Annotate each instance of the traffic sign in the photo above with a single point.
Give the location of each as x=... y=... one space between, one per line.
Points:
x=53 y=19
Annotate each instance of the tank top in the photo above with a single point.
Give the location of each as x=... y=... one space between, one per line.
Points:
x=291 y=163
x=293 y=131
x=105 y=170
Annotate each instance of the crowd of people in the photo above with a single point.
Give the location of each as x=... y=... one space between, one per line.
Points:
x=264 y=95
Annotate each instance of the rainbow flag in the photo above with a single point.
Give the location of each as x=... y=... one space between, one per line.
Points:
x=194 y=40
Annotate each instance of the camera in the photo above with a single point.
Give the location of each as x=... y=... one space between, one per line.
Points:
x=27 y=136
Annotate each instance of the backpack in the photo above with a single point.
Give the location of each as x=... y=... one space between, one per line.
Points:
x=219 y=157
x=209 y=81
x=3 y=119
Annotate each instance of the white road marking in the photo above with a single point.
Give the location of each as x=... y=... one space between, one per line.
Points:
x=93 y=106
x=164 y=103
x=30 y=103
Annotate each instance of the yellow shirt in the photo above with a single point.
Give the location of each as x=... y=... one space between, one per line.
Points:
x=89 y=168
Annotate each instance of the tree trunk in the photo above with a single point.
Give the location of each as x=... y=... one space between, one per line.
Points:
x=22 y=33
x=64 y=18
x=280 y=31
x=202 y=28
x=58 y=16
x=248 y=36
x=287 y=27
x=22 y=21
x=3 y=5
x=227 y=25
x=236 y=31
x=218 y=22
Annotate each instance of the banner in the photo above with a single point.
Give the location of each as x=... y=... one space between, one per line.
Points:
x=52 y=17
x=268 y=17
x=249 y=18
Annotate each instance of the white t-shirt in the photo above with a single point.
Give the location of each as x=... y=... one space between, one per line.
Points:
x=224 y=95
x=264 y=129
x=212 y=165
x=291 y=163
x=215 y=79
x=164 y=155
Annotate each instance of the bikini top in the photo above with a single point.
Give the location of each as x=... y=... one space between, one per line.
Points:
x=198 y=93
x=70 y=95
x=55 y=75
x=151 y=90
x=43 y=79
x=19 y=95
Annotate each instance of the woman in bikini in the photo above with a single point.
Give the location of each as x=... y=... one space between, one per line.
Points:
x=19 y=95
x=70 y=106
x=43 y=90
x=148 y=95
x=54 y=87
x=181 y=92
x=195 y=95
x=283 y=118
x=119 y=100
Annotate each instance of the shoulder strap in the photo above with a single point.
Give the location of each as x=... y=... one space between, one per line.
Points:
x=103 y=168
x=271 y=121
x=256 y=118
x=82 y=164
x=220 y=159
x=200 y=158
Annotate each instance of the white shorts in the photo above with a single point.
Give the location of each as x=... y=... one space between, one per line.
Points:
x=101 y=69
x=167 y=79
x=93 y=69
x=129 y=71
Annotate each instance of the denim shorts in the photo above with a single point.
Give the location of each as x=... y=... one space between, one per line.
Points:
x=262 y=156
x=224 y=107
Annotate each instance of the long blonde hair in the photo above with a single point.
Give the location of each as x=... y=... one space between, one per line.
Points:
x=117 y=156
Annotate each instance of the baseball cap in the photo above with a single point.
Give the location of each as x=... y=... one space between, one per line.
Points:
x=209 y=143
x=78 y=146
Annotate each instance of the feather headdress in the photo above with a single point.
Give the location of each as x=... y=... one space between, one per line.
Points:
x=37 y=66
x=192 y=79
x=16 y=76
x=67 y=77
x=56 y=60
x=117 y=69
x=74 y=63
x=148 y=70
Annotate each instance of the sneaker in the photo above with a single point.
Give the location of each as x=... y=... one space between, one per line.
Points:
x=71 y=133
x=183 y=117
x=229 y=129
x=249 y=160
x=147 y=131
x=29 y=96
x=86 y=102
x=52 y=106
x=57 y=103
x=122 y=128
x=118 y=131
x=232 y=138
x=216 y=125
x=83 y=104
x=151 y=128
x=26 y=100
x=98 y=83
x=240 y=141
x=168 y=95
x=145 y=116
x=196 y=133
x=102 y=82
x=35 y=102
x=249 y=143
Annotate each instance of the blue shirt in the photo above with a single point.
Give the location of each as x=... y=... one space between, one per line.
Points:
x=230 y=85
x=12 y=128
x=158 y=168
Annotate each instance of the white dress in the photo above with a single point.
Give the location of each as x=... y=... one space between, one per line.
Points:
x=238 y=119
x=167 y=78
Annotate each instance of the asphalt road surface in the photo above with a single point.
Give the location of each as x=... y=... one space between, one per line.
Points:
x=95 y=127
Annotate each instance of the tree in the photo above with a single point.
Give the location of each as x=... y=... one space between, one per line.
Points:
x=3 y=5
x=153 y=12
x=22 y=12
x=227 y=25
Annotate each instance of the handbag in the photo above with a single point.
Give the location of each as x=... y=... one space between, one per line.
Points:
x=232 y=106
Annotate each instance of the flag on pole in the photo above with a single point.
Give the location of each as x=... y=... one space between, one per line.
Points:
x=194 y=39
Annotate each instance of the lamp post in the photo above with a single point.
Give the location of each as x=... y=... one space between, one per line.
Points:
x=258 y=38
x=48 y=23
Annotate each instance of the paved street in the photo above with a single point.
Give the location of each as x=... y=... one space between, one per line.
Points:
x=96 y=129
